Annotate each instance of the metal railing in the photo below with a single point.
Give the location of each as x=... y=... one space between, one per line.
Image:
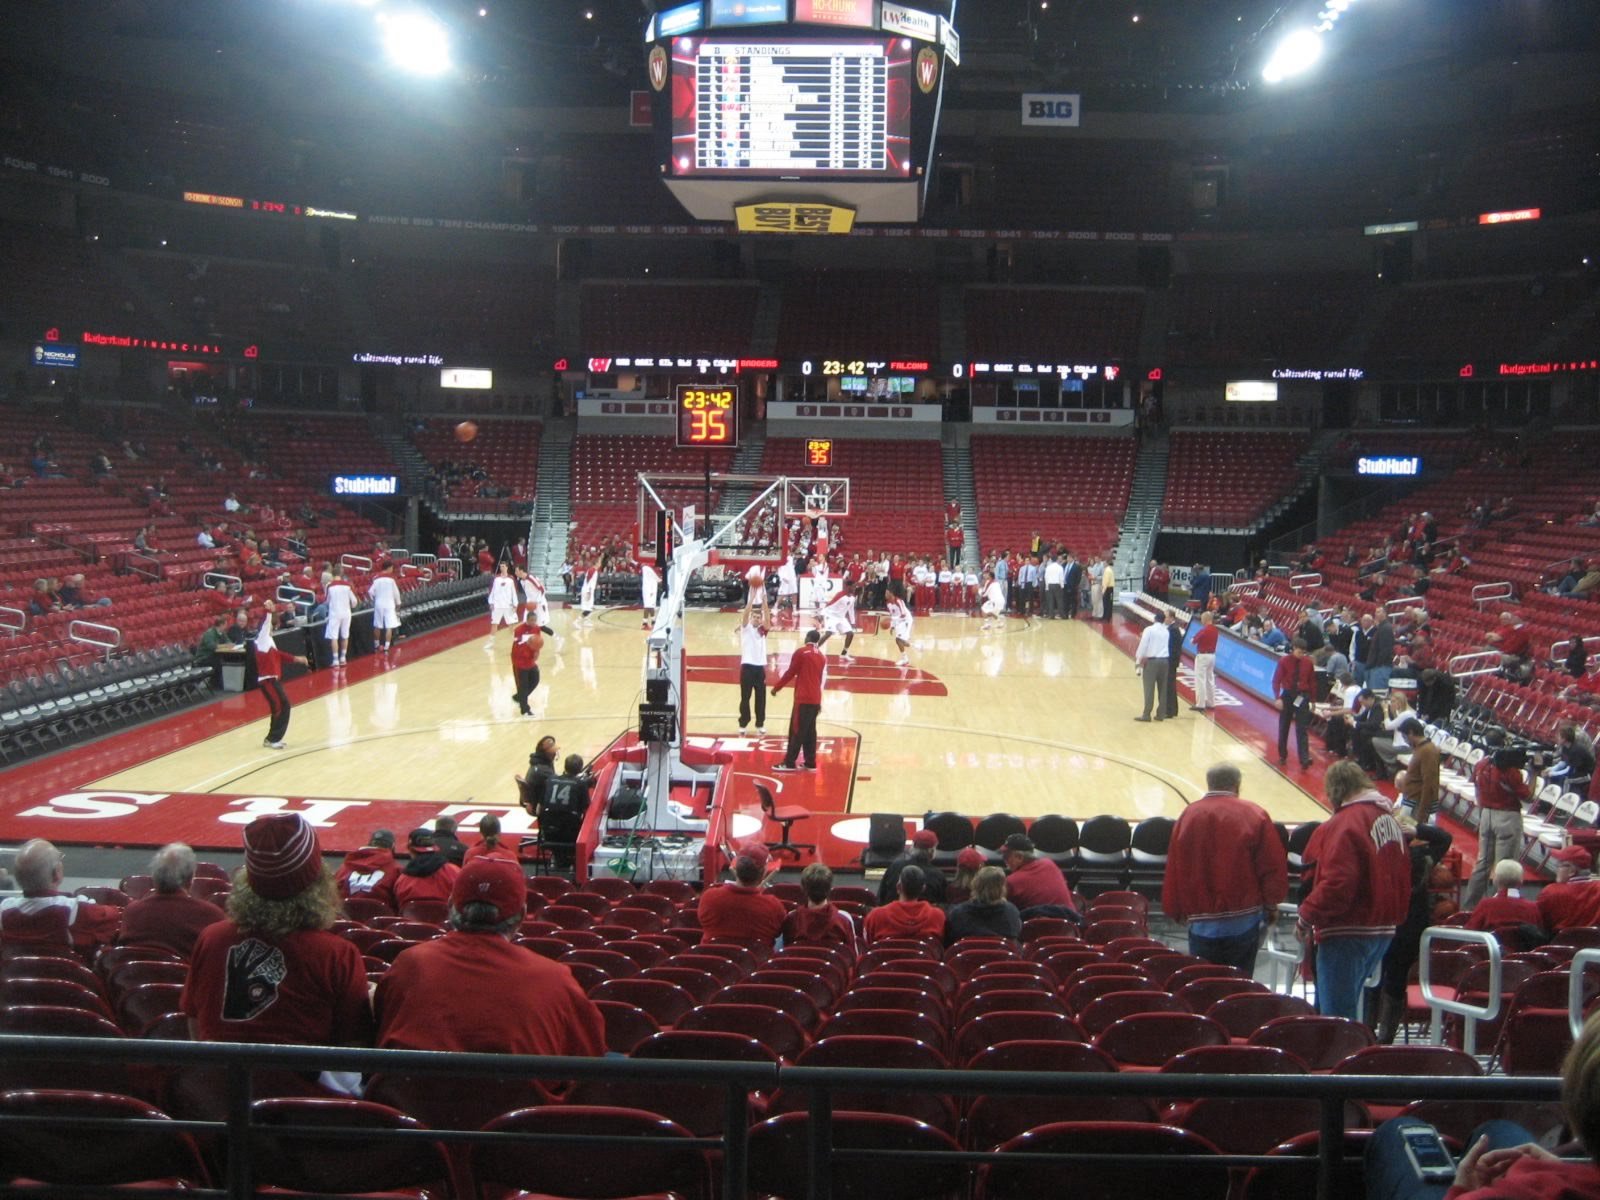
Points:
x=1475 y=662
x=1581 y=961
x=1439 y=1004
x=13 y=620
x=303 y=599
x=84 y=631
x=238 y=1062
x=147 y=565
x=1311 y=579
x=1488 y=593
x=359 y=562
x=219 y=579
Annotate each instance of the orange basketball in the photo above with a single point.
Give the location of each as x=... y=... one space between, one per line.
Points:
x=466 y=431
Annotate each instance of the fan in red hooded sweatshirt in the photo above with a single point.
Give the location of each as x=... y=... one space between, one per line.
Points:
x=910 y=915
x=371 y=870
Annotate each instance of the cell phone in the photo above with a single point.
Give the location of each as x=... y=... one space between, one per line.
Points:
x=1429 y=1158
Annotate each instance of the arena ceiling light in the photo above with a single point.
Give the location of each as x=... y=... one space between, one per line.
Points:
x=1297 y=53
x=416 y=42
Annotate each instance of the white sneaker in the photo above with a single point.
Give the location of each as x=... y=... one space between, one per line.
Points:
x=273 y=745
x=904 y=662
x=760 y=732
x=846 y=656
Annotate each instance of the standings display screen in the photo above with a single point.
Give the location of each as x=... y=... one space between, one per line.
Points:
x=791 y=107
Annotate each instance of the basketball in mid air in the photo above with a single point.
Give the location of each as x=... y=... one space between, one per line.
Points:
x=466 y=431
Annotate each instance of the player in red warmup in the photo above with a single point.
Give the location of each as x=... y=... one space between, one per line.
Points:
x=269 y=676
x=526 y=643
x=808 y=669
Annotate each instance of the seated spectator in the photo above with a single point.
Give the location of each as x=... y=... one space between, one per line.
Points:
x=1502 y=1161
x=1573 y=900
x=231 y=503
x=44 y=914
x=908 y=915
x=429 y=875
x=968 y=863
x=743 y=911
x=561 y=809
x=43 y=601
x=1514 y=641
x=370 y=870
x=1272 y=637
x=491 y=843
x=169 y=916
x=819 y=922
x=204 y=540
x=987 y=914
x=475 y=991
x=445 y=839
x=1574 y=768
x=272 y=972
x=924 y=843
x=1035 y=884
x=1504 y=912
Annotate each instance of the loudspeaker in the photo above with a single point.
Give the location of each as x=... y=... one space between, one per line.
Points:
x=656 y=691
x=886 y=833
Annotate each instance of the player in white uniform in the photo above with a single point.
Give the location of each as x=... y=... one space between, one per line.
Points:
x=649 y=591
x=535 y=603
x=503 y=600
x=900 y=622
x=754 y=623
x=591 y=582
x=994 y=601
x=341 y=601
x=788 y=583
x=385 y=596
x=839 y=616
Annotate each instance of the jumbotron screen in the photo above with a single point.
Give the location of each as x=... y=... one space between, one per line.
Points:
x=791 y=106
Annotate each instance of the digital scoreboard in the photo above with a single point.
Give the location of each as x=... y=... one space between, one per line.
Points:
x=707 y=415
x=792 y=107
x=819 y=452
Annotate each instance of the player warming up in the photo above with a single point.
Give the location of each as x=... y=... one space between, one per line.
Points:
x=385 y=596
x=526 y=643
x=341 y=601
x=535 y=603
x=591 y=584
x=899 y=621
x=754 y=624
x=808 y=671
x=994 y=602
x=503 y=601
x=269 y=675
x=839 y=616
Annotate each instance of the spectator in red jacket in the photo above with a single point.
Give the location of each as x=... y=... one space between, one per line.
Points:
x=1502 y=788
x=1227 y=872
x=819 y=922
x=1357 y=883
x=1034 y=883
x=475 y=991
x=169 y=916
x=1573 y=900
x=428 y=876
x=807 y=669
x=743 y=911
x=1514 y=640
x=1504 y=912
x=44 y=914
x=371 y=870
x=909 y=915
x=491 y=842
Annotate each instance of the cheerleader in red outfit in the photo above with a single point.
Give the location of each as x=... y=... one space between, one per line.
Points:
x=269 y=675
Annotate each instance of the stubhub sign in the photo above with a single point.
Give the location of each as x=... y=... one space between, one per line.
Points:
x=1051 y=108
x=365 y=485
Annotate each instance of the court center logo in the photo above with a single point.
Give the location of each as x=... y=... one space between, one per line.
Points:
x=658 y=67
x=927 y=70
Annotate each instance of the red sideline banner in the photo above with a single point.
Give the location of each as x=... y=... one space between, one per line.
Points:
x=210 y=821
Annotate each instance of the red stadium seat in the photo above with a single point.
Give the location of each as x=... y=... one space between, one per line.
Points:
x=111 y=1157
x=575 y=1170
x=350 y=1166
x=780 y=1159
x=1146 y=1177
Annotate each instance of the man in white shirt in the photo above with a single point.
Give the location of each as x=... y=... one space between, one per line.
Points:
x=231 y=504
x=341 y=601
x=1055 y=592
x=1150 y=660
x=385 y=595
x=204 y=540
x=994 y=601
x=753 y=626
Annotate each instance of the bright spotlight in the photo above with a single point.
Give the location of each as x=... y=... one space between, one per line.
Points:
x=416 y=42
x=1297 y=52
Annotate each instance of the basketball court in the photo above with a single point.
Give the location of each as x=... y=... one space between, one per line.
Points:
x=1032 y=719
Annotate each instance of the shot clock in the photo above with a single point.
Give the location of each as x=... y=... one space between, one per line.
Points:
x=819 y=452
x=708 y=414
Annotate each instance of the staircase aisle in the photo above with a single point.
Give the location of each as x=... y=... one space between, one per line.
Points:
x=1137 y=537
x=956 y=454
x=552 y=509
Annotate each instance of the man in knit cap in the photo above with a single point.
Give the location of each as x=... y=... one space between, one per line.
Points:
x=272 y=972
